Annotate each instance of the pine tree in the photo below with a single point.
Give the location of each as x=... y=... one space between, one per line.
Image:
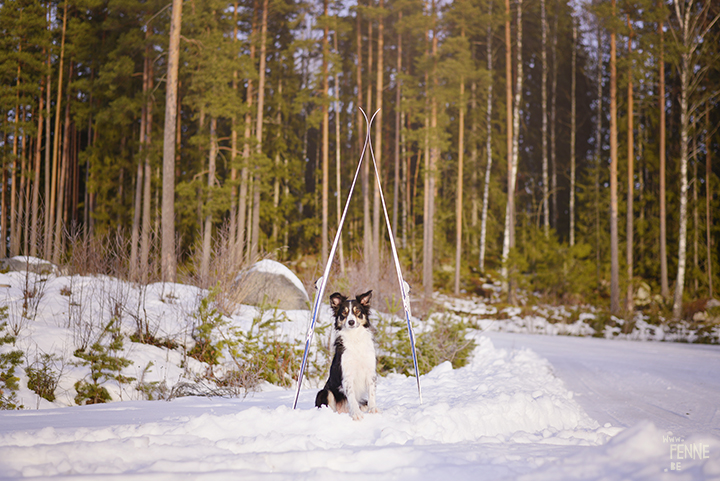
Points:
x=168 y=183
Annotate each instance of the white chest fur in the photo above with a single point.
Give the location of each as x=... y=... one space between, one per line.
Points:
x=358 y=360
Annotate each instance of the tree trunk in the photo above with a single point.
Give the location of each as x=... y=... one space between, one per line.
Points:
x=46 y=197
x=232 y=246
x=207 y=229
x=509 y=237
x=378 y=146
x=664 y=288
x=545 y=177
x=488 y=144
x=630 y=184
x=708 y=198
x=367 y=216
x=398 y=127
x=325 y=138
x=684 y=134
x=255 y=242
x=243 y=232
x=614 y=249
x=696 y=215
x=50 y=221
x=135 y=232
x=427 y=255
x=146 y=232
x=276 y=177
x=15 y=216
x=36 y=181
x=62 y=177
x=338 y=141
x=168 y=261
x=573 y=128
x=553 y=126
x=459 y=198
x=598 y=155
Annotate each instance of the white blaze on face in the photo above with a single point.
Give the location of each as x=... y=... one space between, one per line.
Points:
x=353 y=320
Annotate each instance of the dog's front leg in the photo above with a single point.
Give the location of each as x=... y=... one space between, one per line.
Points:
x=372 y=407
x=352 y=402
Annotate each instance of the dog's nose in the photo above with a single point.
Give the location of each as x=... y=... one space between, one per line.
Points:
x=351 y=322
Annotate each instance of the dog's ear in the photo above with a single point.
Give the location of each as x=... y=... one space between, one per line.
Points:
x=364 y=299
x=337 y=299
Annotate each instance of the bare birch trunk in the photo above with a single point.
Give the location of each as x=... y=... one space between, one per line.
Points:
x=488 y=146
x=135 y=232
x=207 y=229
x=509 y=237
x=146 y=232
x=684 y=128
x=168 y=260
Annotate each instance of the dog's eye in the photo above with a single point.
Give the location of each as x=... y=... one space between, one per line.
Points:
x=345 y=311
x=357 y=311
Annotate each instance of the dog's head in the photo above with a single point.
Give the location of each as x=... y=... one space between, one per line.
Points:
x=351 y=313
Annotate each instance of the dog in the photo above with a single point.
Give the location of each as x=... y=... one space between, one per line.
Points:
x=350 y=387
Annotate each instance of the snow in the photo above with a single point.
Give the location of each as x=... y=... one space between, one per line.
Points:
x=525 y=406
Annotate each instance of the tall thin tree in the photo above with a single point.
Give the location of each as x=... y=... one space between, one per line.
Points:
x=630 y=179
x=488 y=140
x=614 y=247
x=168 y=260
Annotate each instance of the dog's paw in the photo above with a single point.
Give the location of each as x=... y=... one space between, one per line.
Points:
x=374 y=410
x=356 y=416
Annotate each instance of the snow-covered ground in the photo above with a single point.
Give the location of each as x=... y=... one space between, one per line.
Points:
x=525 y=407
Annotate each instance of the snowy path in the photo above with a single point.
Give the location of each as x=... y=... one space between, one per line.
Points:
x=505 y=416
x=674 y=385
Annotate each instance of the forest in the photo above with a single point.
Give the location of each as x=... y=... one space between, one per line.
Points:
x=560 y=148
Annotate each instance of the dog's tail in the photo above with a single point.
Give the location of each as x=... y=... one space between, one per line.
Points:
x=322 y=398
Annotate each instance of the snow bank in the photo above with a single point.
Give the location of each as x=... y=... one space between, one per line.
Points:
x=501 y=398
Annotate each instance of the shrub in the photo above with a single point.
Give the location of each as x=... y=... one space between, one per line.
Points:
x=207 y=319
x=259 y=353
x=446 y=341
x=9 y=361
x=105 y=365
x=43 y=377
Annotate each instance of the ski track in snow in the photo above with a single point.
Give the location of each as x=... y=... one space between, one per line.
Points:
x=526 y=407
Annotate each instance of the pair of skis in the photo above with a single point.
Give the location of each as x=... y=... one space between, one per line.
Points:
x=322 y=282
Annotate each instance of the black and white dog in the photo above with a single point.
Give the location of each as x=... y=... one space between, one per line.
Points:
x=351 y=385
